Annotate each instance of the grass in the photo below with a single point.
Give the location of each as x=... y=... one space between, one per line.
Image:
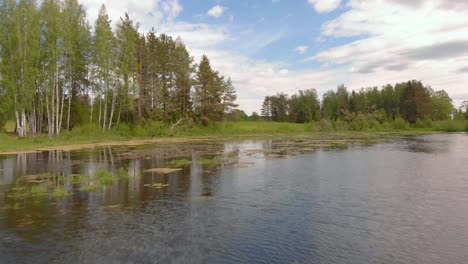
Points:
x=95 y=135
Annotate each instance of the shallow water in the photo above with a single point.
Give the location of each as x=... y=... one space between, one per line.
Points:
x=404 y=200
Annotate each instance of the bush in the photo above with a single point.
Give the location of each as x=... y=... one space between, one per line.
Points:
x=358 y=123
x=450 y=126
x=324 y=125
x=400 y=124
x=123 y=130
x=375 y=125
x=339 y=125
x=2 y=122
x=423 y=123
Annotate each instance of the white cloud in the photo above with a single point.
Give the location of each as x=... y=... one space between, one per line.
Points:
x=324 y=6
x=149 y=13
x=398 y=41
x=216 y=11
x=401 y=40
x=301 y=49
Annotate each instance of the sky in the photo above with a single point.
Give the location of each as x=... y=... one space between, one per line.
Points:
x=272 y=46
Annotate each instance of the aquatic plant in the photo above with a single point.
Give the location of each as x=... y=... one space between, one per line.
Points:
x=122 y=174
x=60 y=192
x=91 y=188
x=104 y=177
x=179 y=163
x=38 y=190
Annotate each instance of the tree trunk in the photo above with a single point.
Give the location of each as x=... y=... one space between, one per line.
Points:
x=69 y=110
x=114 y=98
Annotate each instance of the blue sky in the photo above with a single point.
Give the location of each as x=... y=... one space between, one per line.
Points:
x=271 y=46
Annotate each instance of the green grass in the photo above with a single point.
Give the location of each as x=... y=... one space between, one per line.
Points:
x=93 y=134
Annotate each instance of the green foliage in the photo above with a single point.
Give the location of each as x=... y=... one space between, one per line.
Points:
x=400 y=124
x=122 y=174
x=423 y=123
x=450 y=125
x=38 y=190
x=104 y=177
x=60 y=192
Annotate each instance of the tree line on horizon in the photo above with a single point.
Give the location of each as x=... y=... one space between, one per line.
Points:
x=57 y=73
x=410 y=101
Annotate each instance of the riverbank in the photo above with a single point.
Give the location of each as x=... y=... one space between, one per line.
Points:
x=91 y=137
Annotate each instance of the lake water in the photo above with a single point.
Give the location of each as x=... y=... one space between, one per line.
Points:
x=403 y=200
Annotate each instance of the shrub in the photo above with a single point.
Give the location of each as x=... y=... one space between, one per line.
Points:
x=400 y=124
x=423 y=123
x=324 y=125
x=358 y=123
x=339 y=125
x=375 y=125
x=450 y=126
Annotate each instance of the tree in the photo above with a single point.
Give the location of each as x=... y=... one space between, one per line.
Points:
x=330 y=106
x=52 y=51
x=104 y=63
x=19 y=49
x=266 y=108
x=442 y=106
x=415 y=102
x=208 y=91
x=229 y=96
x=126 y=68
x=464 y=109
x=183 y=70
x=76 y=52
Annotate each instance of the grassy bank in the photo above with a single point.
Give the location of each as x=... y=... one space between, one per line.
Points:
x=156 y=131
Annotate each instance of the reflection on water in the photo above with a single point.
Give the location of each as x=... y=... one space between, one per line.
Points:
x=279 y=201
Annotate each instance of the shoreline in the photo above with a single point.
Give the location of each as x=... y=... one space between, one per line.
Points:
x=63 y=145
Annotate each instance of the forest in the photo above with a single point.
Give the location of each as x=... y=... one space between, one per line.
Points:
x=58 y=72
x=406 y=103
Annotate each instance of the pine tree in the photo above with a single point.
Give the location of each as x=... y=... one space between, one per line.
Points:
x=183 y=83
x=229 y=96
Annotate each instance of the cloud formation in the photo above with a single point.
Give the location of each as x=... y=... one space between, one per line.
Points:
x=396 y=41
x=301 y=49
x=325 y=6
x=216 y=11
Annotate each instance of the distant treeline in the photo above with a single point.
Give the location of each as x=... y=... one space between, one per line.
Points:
x=410 y=101
x=56 y=73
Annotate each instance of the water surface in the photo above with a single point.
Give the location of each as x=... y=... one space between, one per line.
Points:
x=404 y=200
